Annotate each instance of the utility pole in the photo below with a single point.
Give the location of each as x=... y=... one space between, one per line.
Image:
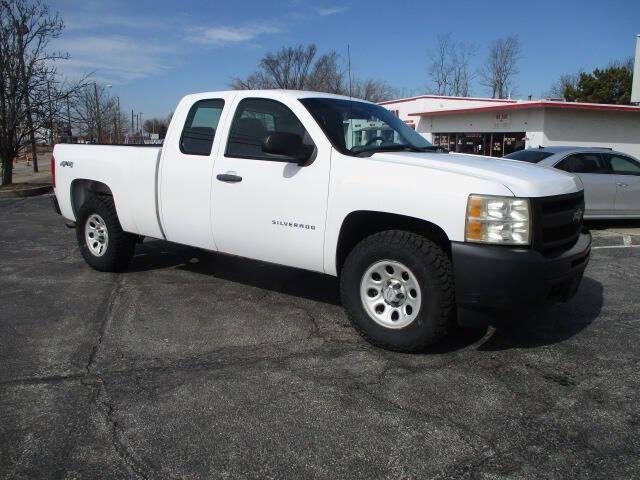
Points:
x=98 y=121
x=118 y=129
x=69 y=120
x=141 y=129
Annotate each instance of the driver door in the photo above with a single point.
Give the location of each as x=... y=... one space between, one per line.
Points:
x=266 y=206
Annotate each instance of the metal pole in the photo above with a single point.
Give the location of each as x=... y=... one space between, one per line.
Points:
x=69 y=120
x=118 y=122
x=98 y=121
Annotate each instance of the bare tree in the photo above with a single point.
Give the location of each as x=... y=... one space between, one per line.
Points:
x=559 y=88
x=300 y=68
x=371 y=90
x=27 y=76
x=328 y=75
x=498 y=74
x=449 y=70
x=462 y=75
x=96 y=114
x=441 y=67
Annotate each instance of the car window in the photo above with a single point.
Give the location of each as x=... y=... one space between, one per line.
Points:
x=622 y=165
x=584 y=163
x=529 y=155
x=200 y=127
x=255 y=120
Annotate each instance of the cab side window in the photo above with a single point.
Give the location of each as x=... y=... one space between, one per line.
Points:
x=200 y=127
x=622 y=165
x=254 y=121
x=584 y=163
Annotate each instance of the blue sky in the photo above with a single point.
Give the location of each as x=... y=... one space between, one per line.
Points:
x=153 y=52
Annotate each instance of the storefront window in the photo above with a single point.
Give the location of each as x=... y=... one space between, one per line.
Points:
x=490 y=144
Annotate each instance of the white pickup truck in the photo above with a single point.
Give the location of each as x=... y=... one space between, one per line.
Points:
x=339 y=186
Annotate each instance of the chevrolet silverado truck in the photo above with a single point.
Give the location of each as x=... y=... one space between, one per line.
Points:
x=339 y=186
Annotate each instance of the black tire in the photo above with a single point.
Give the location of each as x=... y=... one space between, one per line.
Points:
x=433 y=270
x=120 y=246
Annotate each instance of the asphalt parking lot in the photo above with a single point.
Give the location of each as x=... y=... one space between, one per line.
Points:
x=198 y=365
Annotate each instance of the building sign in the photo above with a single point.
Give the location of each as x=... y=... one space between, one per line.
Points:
x=502 y=120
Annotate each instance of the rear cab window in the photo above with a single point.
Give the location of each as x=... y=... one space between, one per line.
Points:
x=200 y=127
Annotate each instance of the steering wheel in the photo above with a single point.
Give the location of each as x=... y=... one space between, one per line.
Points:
x=371 y=141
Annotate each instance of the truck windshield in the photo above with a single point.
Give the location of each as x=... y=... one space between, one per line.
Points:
x=361 y=129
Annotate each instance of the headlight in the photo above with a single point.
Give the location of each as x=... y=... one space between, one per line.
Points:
x=499 y=220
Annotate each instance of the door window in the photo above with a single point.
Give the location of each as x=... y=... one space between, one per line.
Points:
x=622 y=165
x=200 y=127
x=584 y=163
x=254 y=121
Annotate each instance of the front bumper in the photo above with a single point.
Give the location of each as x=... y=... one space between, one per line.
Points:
x=493 y=278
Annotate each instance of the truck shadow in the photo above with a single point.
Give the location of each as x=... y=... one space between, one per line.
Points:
x=556 y=324
x=523 y=330
x=158 y=255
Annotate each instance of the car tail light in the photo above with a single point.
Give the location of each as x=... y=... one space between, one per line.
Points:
x=53 y=171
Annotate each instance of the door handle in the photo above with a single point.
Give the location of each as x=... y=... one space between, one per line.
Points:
x=622 y=184
x=229 y=177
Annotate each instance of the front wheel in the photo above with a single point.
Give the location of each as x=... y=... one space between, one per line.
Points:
x=397 y=289
x=103 y=243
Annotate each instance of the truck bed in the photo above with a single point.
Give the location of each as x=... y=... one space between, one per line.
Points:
x=128 y=170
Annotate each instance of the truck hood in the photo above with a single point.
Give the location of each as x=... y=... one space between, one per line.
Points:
x=522 y=178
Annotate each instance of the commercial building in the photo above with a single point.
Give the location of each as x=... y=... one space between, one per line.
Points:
x=494 y=127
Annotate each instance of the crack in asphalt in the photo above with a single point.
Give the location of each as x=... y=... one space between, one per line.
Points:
x=96 y=383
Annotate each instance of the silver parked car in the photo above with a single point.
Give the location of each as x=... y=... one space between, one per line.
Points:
x=611 y=179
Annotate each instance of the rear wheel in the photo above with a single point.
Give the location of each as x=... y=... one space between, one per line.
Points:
x=397 y=289
x=103 y=243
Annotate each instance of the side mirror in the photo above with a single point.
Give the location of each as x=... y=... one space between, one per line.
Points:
x=286 y=144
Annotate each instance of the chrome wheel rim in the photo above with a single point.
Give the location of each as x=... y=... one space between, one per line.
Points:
x=390 y=294
x=96 y=235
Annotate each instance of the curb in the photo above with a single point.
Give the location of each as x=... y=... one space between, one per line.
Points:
x=26 y=192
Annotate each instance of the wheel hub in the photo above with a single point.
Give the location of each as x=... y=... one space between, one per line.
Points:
x=394 y=293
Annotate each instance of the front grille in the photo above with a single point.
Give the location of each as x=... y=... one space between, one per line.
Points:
x=557 y=221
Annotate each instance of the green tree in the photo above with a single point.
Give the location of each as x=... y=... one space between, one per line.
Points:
x=608 y=85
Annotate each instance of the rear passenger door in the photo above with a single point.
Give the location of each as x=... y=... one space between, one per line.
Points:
x=627 y=174
x=186 y=170
x=599 y=182
x=266 y=206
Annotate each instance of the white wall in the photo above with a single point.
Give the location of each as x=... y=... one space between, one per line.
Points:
x=593 y=128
